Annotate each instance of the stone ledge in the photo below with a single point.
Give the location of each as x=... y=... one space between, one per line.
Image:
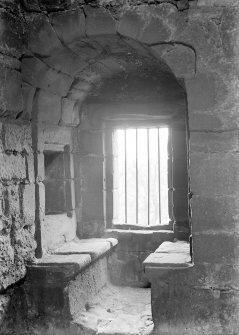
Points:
x=69 y=260
x=95 y=247
x=170 y=255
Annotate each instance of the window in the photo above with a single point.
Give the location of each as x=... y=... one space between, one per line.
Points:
x=57 y=183
x=140 y=164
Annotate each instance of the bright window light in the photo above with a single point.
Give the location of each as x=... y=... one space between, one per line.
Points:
x=141 y=176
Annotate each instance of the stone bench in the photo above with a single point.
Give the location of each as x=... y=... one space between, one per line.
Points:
x=169 y=255
x=168 y=270
x=61 y=285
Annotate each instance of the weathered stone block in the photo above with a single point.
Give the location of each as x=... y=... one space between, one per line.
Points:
x=17 y=138
x=214 y=174
x=28 y=93
x=214 y=141
x=193 y=308
x=10 y=92
x=47 y=107
x=70 y=114
x=42 y=38
x=229 y=32
x=11 y=36
x=181 y=59
x=205 y=121
x=98 y=22
x=215 y=248
x=155 y=30
x=38 y=74
x=11 y=201
x=215 y=213
x=90 y=142
x=69 y=25
x=53 y=135
x=201 y=92
x=129 y=25
x=7 y=263
x=28 y=203
x=12 y=166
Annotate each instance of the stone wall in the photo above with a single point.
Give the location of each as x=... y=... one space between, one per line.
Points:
x=68 y=51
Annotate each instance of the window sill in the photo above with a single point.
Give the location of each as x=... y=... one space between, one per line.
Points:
x=133 y=227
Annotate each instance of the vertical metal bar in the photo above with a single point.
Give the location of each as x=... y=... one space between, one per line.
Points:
x=137 y=188
x=125 y=173
x=159 y=177
x=148 y=177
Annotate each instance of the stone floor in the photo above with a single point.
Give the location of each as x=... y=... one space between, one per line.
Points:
x=118 y=311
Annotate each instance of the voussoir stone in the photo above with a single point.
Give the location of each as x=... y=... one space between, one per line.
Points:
x=10 y=91
x=38 y=74
x=180 y=59
x=42 y=39
x=99 y=22
x=28 y=93
x=47 y=107
x=69 y=25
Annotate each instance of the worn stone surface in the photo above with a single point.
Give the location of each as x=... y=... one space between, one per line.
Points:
x=190 y=36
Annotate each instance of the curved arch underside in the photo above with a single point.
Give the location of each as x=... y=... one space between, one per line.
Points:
x=85 y=55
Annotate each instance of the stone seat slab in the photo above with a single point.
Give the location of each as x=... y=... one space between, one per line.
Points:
x=181 y=247
x=57 y=269
x=168 y=260
x=95 y=247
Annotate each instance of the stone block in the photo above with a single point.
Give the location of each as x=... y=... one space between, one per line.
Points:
x=70 y=114
x=178 y=308
x=12 y=167
x=24 y=246
x=181 y=60
x=66 y=61
x=98 y=22
x=17 y=138
x=1 y=137
x=28 y=204
x=215 y=213
x=180 y=173
x=214 y=142
x=90 y=142
x=215 y=248
x=11 y=35
x=28 y=93
x=7 y=268
x=208 y=121
x=47 y=107
x=42 y=39
x=130 y=25
x=229 y=32
x=38 y=74
x=10 y=92
x=201 y=92
x=11 y=201
x=155 y=30
x=214 y=174
x=52 y=134
x=69 y=25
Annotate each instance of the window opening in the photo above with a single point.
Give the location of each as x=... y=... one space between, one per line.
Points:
x=140 y=176
x=57 y=182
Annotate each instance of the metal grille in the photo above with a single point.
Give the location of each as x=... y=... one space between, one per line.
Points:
x=140 y=176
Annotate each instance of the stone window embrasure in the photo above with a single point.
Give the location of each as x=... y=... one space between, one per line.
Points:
x=138 y=175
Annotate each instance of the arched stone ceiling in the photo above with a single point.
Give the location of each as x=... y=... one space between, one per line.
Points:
x=81 y=53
